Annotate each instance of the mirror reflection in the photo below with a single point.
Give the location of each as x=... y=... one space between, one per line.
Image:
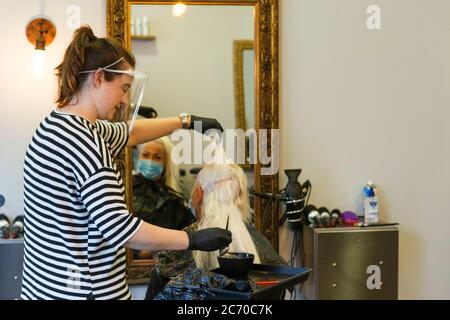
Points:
x=157 y=190
x=244 y=83
x=193 y=66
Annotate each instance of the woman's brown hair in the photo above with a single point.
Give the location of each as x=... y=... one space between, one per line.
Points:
x=87 y=52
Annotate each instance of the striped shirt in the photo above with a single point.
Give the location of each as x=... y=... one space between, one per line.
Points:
x=76 y=220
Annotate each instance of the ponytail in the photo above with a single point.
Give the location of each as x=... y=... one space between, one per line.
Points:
x=87 y=52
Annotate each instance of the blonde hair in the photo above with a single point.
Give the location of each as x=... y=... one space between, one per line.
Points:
x=171 y=173
x=224 y=195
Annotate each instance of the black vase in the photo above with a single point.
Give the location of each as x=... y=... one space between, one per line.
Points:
x=293 y=187
x=295 y=199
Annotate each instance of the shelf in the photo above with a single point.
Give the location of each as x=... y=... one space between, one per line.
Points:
x=143 y=38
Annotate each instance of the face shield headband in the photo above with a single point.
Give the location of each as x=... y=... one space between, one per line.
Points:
x=134 y=94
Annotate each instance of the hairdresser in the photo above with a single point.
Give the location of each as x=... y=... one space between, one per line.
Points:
x=76 y=222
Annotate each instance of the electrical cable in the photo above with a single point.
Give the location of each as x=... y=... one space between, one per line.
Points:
x=297 y=247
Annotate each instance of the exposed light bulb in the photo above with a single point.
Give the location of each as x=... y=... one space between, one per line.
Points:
x=179 y=10
x=39 y=62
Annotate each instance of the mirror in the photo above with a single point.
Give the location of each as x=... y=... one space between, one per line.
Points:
x=244 y=83
x=244 y=89
x=199 y=64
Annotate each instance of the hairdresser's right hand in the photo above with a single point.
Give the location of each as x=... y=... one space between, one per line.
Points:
x=210 y=239
x=202 y=125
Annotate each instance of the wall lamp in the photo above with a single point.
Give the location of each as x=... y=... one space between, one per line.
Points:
x=40 y=33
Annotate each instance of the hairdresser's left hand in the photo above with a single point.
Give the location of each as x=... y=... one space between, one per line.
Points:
x=204 y=124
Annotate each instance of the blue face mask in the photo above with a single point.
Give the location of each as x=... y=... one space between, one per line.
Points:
x=150 y=169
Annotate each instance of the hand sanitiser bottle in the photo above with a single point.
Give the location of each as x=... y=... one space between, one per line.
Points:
x=371 y=205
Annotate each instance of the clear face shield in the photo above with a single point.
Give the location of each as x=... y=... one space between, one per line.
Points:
x=134 y=87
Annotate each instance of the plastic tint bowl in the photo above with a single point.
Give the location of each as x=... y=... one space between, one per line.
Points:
x=236 y=264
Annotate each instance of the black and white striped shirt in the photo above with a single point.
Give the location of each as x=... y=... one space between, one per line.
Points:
x=76 y=220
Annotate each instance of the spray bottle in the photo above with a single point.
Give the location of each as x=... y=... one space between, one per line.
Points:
x=371 y=205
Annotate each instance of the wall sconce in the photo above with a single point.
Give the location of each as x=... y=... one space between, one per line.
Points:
x=40 y=33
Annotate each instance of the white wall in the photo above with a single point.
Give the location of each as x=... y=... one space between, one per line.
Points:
x=358 y=105
x=24 y=98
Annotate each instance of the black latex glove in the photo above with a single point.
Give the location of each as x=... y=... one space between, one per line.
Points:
x=210 y=239
x=206 y=124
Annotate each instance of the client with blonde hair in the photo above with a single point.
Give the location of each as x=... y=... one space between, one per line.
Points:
x=220 y=195
x=219 y=192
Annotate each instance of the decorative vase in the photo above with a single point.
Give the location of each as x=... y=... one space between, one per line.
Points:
x=295 y=198
x=293 y=187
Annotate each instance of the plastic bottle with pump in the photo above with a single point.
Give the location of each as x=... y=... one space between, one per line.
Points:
x=371 y=206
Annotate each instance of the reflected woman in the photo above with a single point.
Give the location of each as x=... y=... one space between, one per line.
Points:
x=157 y=190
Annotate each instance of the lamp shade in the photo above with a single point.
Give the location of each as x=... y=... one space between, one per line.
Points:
x=40 y=32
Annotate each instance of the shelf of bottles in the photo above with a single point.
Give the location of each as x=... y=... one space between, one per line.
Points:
x=140 y=29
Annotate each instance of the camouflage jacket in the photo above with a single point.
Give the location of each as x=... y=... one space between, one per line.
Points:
x=160 y=205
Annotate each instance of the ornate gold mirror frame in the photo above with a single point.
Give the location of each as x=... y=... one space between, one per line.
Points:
x=266 y=99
